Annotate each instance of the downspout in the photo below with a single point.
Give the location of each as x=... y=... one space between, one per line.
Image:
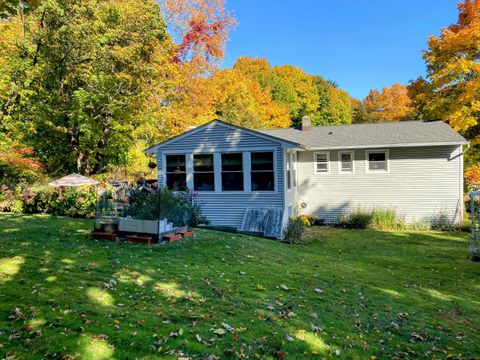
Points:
x=462 y=180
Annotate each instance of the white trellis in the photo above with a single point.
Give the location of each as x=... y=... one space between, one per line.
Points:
x=475 y=231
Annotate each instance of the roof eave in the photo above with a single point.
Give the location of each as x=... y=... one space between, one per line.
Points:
x=378 y=146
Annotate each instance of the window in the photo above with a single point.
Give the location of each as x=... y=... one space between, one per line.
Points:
x=294 y=169
x=289 y=171
x=345 y=162
x=232 y=172
x=262 y=173
x=176 y=172
x=322 y=165
x=377 y=161
x=203 y=172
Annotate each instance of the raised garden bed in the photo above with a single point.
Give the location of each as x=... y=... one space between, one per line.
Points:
x=139 y=239
x=172 y=237
x=103 y=235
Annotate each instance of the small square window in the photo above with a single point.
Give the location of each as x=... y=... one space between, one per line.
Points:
x=377 y=161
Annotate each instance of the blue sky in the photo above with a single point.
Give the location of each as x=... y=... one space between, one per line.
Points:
x=359 y=44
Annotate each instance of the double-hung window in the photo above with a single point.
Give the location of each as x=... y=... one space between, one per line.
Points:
x=322 y=162
x=176 y=172
x=203 y=172
x=262 y=174
x=232 y=172
x=345 y=162
x=377 y=161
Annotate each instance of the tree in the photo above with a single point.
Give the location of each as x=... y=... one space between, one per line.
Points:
x=12 y=7
x=200 y=28
x=335 y=106
x=451 y=89
x=233 y=97
x=391 y=104
x=453 y=70
x=77 y=76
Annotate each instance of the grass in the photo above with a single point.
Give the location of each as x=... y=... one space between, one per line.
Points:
x=347 y=294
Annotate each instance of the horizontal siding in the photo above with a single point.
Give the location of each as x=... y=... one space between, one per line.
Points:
x=421 y=183
x=224 y=208
x=217 y=137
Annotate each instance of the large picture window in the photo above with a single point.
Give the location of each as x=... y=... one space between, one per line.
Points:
x=176 y=172
x=203 y=172
x=262 y=173
x=232 y=172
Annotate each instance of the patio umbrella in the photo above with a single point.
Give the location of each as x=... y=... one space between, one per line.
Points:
x=73 y=180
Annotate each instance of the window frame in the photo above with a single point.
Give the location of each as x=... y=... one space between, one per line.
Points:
x=352 y=156
x=217 y=163
x=166 y=172
x=288 y=170
x=203 y=172
x=367 y=161
x=315 y=171
x=259 y=171
x=235 y=171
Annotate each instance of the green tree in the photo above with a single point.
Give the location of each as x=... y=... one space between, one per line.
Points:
x=76 y=78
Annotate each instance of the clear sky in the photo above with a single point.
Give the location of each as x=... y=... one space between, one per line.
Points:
x=360 y=44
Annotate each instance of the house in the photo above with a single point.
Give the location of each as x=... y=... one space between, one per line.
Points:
x=255 y=180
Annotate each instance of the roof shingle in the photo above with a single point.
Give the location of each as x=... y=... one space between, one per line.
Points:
x=394 y=134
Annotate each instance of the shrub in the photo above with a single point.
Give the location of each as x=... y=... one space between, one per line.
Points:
x=73 y=202
x=377 y=219
x=294 y=230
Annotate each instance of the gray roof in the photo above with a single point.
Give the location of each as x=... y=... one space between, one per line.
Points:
x=393 y=134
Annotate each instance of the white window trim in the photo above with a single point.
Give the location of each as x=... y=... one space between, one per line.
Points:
x=288 y=176
x=352 y=154
x=217 y=167
x=387 y=159
x=315 y=162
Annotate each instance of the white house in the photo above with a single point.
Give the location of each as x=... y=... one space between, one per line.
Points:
x=413 y=167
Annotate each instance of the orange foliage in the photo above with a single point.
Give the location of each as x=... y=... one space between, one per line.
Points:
x=454 y=70
x=391 y=104
x=200 y=27
x=472 y=176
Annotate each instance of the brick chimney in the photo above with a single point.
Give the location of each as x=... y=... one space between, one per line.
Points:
x=306 y=123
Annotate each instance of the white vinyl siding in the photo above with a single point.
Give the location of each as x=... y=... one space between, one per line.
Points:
x=227 y=208
x=421 y=183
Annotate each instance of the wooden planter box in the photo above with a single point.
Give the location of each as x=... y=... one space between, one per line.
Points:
x=103 y=235
x=186 y=233
x=139 y=239
x=172 y=237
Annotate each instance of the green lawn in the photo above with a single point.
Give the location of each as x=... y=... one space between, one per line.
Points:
x=348 y=294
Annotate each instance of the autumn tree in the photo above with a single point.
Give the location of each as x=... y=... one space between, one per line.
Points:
x=76 y=78
x=233 y=97
x=451 y=89
x=390 y=104
x=200 y=29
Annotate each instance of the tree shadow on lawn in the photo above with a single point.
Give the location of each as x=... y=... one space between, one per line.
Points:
x=353 y=294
